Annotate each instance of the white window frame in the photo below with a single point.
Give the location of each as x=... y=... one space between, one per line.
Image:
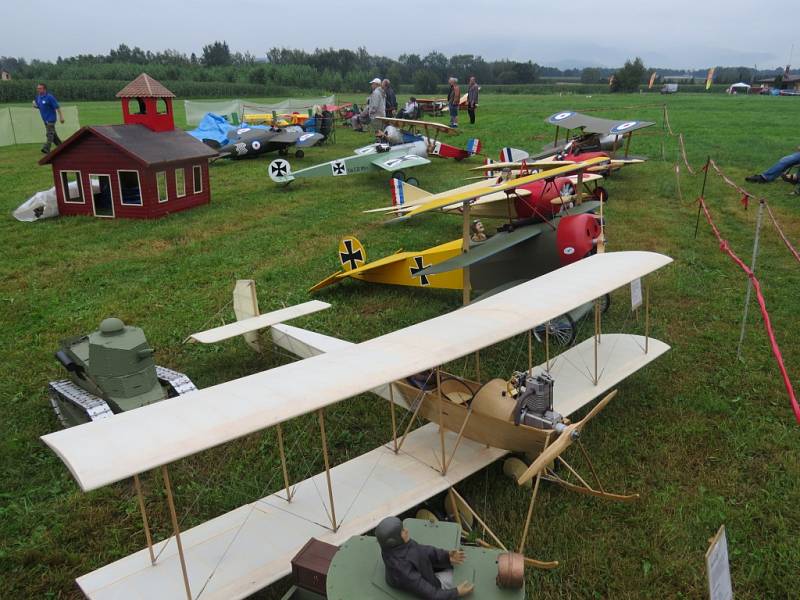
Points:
x=111 y=190
x=178 y=193
x=138 y=181
x=166 y=187
x=65 y=190
x=197 y=178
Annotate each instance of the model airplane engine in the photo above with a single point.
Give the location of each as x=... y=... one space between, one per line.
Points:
x=577 y=237
x=535 y=401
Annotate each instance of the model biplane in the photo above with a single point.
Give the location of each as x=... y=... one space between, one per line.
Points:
x=394 y=158
x=472 y=424
x=591 y=137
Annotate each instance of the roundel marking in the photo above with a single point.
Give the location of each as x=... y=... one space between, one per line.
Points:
x=561 y=116
x=256 y=145
x=624 y=126
x=569 y=250
x=242 y=130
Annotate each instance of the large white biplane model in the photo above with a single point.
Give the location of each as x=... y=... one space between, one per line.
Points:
x=240 y=552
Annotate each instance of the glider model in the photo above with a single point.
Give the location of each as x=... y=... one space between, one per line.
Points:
x=472 y=424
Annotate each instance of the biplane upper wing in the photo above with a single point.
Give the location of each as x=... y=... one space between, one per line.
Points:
x=109 y=450
x=497 y=243
x=489 y=187
x=416 y=124
x=393 y=163
x=575 y=120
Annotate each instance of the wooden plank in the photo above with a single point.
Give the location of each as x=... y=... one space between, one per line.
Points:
x=252 y=546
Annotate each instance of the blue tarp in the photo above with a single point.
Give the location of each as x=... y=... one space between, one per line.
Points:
x=216 y=127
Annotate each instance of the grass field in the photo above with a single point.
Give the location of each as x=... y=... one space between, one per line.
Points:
x=706 y=439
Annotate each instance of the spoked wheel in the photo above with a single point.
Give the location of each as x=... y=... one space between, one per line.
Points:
x=561 y=330
x=413 y=181
x=299 y=154
x=600 y=193
x=399 y=175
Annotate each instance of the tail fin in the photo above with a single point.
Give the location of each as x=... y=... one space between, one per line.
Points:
x=489 y=161
x=473 y=146
x=351 y=253
x=513 y=155
x=403 y=193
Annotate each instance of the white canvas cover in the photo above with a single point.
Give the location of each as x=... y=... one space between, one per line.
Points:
x=103 y=452
x=290 y=105
x=197 y=109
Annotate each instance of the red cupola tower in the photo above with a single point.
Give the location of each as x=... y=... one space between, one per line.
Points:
x=146 y=102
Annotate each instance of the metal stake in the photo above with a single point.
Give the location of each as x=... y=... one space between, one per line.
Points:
x=327 y=466
x=756 y=240
x=176 y=529
x=147 y=535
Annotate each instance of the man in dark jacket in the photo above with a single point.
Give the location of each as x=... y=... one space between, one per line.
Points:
x=413 y=567
x=391 y=98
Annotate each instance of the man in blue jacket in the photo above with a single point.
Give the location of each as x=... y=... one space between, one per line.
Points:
x=48 y=107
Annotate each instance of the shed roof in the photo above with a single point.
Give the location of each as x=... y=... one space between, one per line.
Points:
x=144 y=86
x=141 y=144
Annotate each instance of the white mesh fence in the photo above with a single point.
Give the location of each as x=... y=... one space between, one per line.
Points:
x=21 y=125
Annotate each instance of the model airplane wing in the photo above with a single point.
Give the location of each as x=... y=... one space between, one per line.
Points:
x=489 y=187
x=575 y=120
x=412 y=123
x=109 y=450
x=393 y=163
x=255 y=323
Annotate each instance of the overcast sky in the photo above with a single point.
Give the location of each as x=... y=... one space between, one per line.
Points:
x=670 y=33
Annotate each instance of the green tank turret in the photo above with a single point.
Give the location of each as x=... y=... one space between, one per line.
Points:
x=111 y=370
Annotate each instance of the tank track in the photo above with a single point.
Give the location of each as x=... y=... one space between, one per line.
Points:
x=96 y=408
x=93 y=407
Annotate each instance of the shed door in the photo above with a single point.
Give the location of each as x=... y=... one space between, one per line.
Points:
x=102 y=199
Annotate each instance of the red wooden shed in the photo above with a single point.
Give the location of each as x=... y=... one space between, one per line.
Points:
x=143 y=169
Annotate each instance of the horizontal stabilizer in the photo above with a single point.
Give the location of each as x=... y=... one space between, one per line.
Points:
x=393 y=163
x=237 y=328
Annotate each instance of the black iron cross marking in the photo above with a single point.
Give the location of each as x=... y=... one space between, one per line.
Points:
x=350 y=256
x=423 y=279
x=279 y=169
x=338 y=168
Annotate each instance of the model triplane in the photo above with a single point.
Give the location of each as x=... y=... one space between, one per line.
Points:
x=594 y=137
x=538 y=238
x=473 y=423
x=405 y=148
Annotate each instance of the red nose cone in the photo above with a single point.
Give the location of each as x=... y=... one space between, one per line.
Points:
x=575 y=237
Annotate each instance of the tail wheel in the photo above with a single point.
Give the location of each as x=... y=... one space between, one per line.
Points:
x=561 y=330
x=413 y=181
x=600 y=193
x=399 y=175
x=299 y=154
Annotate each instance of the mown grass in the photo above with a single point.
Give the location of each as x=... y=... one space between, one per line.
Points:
x=705 y=438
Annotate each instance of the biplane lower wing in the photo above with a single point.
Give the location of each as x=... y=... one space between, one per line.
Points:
x=240 y=552
x=395 y=163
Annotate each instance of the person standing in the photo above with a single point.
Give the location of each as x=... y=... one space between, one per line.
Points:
x=391 y=98
x=48 y=108
x=472 y=99
x=376 y=107
x=453 y=98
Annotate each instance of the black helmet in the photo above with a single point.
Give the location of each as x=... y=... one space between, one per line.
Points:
x=388 y=533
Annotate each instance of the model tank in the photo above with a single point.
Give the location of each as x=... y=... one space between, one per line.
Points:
x=111 y=370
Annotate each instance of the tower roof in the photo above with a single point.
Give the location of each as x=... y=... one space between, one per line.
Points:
x=144 y=86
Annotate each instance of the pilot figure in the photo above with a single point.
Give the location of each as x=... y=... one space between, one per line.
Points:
x=424 y=571
x=478 y=231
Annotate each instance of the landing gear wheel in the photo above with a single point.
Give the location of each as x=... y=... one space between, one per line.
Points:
x=605 y=303
x=299 y=154
x=283 y=152
x=562 y=331
x=514 y=468
x=413 y=181
x=399 y=175
x=600 y=193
